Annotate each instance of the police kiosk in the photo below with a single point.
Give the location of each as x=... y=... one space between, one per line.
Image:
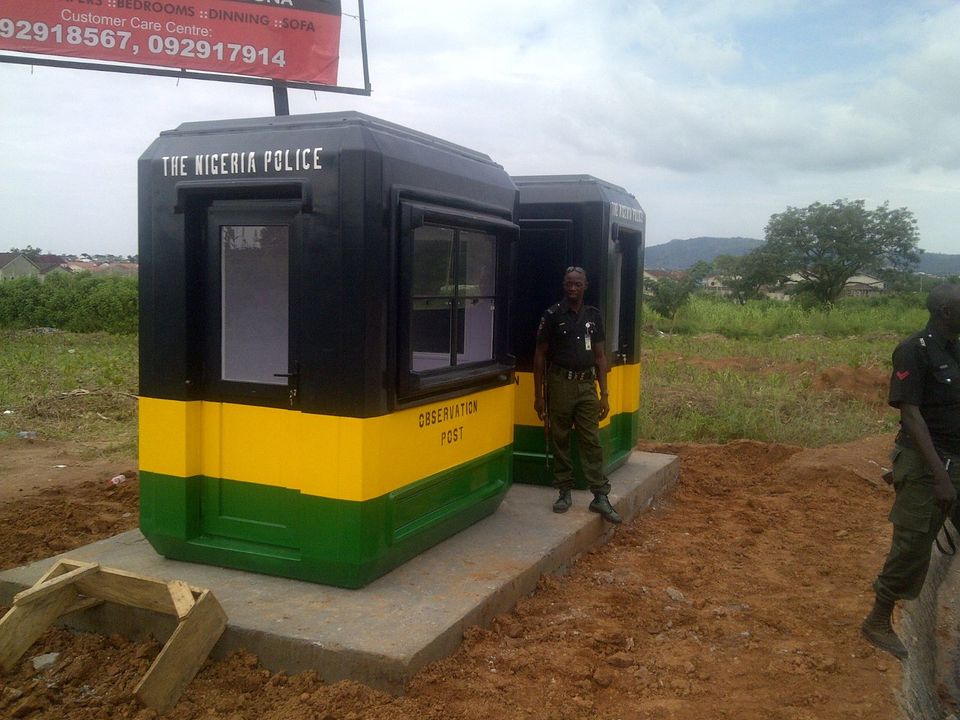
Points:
x=582 y=221
x=326 y=387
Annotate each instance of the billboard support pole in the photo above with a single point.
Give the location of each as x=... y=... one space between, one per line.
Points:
x=281 y=102
x=363 y=48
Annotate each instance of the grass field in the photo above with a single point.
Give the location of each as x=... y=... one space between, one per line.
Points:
x=715 y=386
x=69 y=386
x=896 y=314
x=710 y=388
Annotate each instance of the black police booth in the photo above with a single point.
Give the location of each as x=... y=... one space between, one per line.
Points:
x=325 y=378
x=578 y=220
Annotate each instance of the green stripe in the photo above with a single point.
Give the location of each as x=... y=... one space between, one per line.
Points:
x=529 y=445
x=278 y=531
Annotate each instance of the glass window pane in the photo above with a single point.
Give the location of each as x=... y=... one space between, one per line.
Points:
x=430 y=334
x=475 y=317
x=432 y=261
x=254 y=265
x=478 y=264
x=614 y=288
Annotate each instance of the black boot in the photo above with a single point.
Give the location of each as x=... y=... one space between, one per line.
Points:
x=563 y=502
x=877 y=629
x=601 y=504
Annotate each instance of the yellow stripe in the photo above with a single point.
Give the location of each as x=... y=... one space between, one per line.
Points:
x=335 y=457
x=623 y=384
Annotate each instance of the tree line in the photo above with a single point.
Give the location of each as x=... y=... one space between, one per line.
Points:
x=819 y=248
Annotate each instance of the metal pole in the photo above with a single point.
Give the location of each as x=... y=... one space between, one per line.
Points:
x=281 y=103
x=363 y=48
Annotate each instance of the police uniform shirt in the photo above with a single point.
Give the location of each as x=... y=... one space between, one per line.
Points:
x=926 y=373
x=571 y=337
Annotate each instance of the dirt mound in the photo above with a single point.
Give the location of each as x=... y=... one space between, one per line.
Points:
x=61 y=518
x=724 y=461
x=866 y=459
x=867 y=384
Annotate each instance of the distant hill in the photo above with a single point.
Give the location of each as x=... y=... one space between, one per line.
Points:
x=939 y=264
x=682 y=254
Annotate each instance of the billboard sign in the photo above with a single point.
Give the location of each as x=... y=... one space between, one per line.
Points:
x=287 y=40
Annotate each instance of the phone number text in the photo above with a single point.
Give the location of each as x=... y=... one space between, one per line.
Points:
x=93 y=37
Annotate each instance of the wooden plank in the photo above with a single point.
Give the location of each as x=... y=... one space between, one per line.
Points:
x=128 y=589
x=183 y=655
x=23 y=624
x=182 y=597
x=59 y=568
x=51 y=585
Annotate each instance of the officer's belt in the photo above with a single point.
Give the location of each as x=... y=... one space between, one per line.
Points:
x=588 y=374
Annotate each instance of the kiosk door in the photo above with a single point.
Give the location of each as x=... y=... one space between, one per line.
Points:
x=251 y=360
x=250 y=348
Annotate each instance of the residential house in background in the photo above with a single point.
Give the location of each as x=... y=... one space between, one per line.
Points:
x=50 y=264
x=863 y=286
x=856 y=286
x=15 y=265
x=716 y=285
x=103 y=268
x=651 y=277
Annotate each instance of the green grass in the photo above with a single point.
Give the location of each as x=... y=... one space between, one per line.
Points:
x=873 y=350
x=898 y=315
x=716 y=389
x=69 y=386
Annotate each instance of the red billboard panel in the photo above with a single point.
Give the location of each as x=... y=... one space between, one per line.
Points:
x=291 y=40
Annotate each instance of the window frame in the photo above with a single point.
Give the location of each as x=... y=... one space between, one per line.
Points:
x=415 y=385
x=213 y=385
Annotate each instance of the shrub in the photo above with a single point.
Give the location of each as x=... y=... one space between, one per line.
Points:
x=79 y=302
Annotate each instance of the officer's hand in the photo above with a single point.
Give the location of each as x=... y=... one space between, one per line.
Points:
x=945 y=494
x=604 y=407
x=538 y=405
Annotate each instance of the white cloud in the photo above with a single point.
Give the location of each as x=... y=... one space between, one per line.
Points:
x=683 y=103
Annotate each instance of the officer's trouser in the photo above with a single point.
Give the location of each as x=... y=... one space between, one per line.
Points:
x=916 y=519
x=574 y=404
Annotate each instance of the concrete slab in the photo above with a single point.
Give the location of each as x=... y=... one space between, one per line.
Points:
x=380 y=635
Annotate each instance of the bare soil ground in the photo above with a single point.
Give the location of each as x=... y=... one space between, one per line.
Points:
x=738 y=596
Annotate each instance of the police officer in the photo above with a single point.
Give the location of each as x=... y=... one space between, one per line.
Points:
x=925 y=387
x=568 y=364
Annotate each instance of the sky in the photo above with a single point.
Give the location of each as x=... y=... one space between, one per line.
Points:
x=715 y=114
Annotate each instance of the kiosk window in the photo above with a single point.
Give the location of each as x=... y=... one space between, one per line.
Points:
x=453 y=297
x=254 y=262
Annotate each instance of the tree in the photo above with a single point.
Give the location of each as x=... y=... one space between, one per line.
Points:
x=699 y=270
x=667 y=296
x=746 y=274
x=29 y=252
x=826 y=245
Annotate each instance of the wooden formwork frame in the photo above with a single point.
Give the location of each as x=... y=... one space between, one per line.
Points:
x=72 y=585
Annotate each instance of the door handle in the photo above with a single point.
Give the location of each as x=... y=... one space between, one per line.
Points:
x=293 y=380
